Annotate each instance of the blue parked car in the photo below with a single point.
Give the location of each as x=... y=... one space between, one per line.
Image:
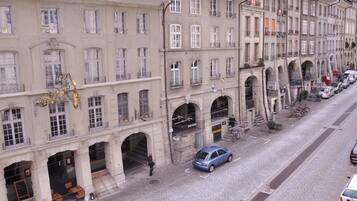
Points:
x=208 y=158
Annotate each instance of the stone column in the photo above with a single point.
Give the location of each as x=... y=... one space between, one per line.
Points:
x=114 y=161
x=40 y=178
x=83 y=172
x=3 y=190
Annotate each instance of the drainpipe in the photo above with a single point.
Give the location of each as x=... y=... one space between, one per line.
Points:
x=263 y=77
x=239 y=53
x=164 y=9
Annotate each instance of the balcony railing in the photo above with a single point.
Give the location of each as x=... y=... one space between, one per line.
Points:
x=231 y=44
x=214 y=13
x=70 y=133
x=143 y=74
x=196 y=81
x=174 y=84
x=296 y=32
x=231 y=15
x=94 y=80
x=26 y=142
x=105 y=125
x=256 y=34
x=145 y=116
x=296 y=53
x=123 y=77
x=290 y=54
x=230 y=73
x=291 y=31
x=295 y=82
x=11 y=88
x=267 y=33
x=247 y=33
x=215 y=76
x=215 y=45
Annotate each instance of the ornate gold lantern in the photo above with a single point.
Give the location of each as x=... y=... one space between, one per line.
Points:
x=66 y=90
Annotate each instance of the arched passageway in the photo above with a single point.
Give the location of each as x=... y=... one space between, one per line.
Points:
x=134 y=151
x=18 y=181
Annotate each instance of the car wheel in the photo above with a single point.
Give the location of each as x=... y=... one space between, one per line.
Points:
x=230 y=157
x=211 y=168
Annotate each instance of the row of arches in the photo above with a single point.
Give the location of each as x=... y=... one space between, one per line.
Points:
x=62 y=170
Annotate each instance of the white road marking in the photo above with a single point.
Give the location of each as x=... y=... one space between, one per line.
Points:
x=188 y=170
x=206 y=176
x=267 y=141
x=237 y=159
x=253 y=137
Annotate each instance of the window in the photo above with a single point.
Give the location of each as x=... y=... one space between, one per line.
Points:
x=119 y=22
x=214 y=37
x=8 y=72
x=53 y=64
x=121 y=64
x=256 y=51
x=247 y=52
x=175 y=6
x=305 y=7
x=296 y=24
x=12 y=127
x=214 y=155
x=313 y=8
x=230 y=37
x=95 y=110
x=144 y=103
x=49 y=20
x=304 y=27
x=175 y=74
x=229 y=66
x=247 y=25
x=290 y=22
x=143 y=63
x=123 y=108
x=214 y=8
x=311 y=47
x=195 y=36
x=272 y=51
x=312 y=28
x=58 y=120
x=273 y=26
x=195 y=70
x=90 y=21
x=214 y=68
x=230 y=8
x=256 y=26
x=5 y=20
x=141 y=23
x=266 y=51
x=303 y=47
x=221 y=152
x=195 y=7
x=93 y=66
x=175 y=36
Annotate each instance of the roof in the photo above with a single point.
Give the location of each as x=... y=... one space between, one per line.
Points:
x=210 y=149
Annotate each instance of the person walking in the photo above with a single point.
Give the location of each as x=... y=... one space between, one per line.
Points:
x=151 y=164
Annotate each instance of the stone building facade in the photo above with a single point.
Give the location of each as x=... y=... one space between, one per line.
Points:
x=201 y=63
x=111 y=51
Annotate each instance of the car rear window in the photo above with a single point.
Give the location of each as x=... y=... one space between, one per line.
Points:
x=350 y=193
x=355 y=149
x=201 y=155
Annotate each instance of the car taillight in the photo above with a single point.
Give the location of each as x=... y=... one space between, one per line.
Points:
x=341 y=199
